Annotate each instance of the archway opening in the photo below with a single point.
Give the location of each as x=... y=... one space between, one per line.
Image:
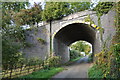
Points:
x=70 y=34
x=80 y=49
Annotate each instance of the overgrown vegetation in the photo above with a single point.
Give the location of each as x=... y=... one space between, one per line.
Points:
x=41 y=40
x=27 y=66
x=15 y=15
x=52 y=61
x=74 y=54
x=107 y=63
x=78 y=47
x=44 y=73
x=75 y=59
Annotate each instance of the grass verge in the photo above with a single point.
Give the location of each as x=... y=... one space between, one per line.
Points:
x=72 y=61
x=76 y=58
x=47 y=73
x=94 y=72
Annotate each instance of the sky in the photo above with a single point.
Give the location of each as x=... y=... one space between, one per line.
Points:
x=37 y=1
x=42 y=2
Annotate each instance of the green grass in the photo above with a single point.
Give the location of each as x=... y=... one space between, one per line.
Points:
x=76 y=59
x=72 y=61
x=44 y=73
x=95 y=72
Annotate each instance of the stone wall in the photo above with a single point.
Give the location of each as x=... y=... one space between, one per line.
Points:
x=38 y=42
x=107 y=22
x=39 y=49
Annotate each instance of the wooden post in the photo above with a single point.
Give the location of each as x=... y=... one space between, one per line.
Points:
x=11 y=73
x=28 y=67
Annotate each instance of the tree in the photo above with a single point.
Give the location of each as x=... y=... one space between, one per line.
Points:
x=12 y=35
x=79 y=6
x=29 y=16
x=55 y=10
x=103 y=7
x=81 y=46
x=8 y=8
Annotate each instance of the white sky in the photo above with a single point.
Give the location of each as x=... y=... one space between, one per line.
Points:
x=37 y=1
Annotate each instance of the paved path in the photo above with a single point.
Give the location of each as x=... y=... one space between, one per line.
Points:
x=77 y=70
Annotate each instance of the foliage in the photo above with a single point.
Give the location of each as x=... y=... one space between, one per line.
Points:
x=12 y=41
x=78 y=58
x=108 y=63
x=79 y=6
x=74 y=54
x=95 y=72
x=41 y=40
x=117 y=24
x=88 y=19
x=55 y=10
x=116 y=61
x=33 y=61
x=108 y=60
x=103 y=7
x=81 y=47
x=12 y=35
x=52 y=61
x=8 y=8
x=28 y=16
x=12 y=5
x=44 y=73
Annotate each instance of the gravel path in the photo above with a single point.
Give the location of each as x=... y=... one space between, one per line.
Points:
x=77 y=70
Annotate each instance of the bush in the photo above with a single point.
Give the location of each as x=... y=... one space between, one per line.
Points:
x=95 y=72
x=106 y=64
x=74 y=54
x=34 y=61
x=52 y=61
x=116 y=61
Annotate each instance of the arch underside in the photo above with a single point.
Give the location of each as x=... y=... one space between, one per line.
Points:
x=70 y=34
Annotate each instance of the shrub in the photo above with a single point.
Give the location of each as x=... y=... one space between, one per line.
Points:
x=95 y=72
x=52 y=61
x=74 y=54
x=107 y=64
x=34 y=61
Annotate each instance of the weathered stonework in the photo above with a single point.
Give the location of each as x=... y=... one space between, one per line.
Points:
x=68 y=30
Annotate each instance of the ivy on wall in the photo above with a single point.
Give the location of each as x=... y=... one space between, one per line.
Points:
x=108 y=60
x=41 y=40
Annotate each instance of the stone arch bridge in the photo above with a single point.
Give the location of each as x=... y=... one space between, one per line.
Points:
x=68 y=30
